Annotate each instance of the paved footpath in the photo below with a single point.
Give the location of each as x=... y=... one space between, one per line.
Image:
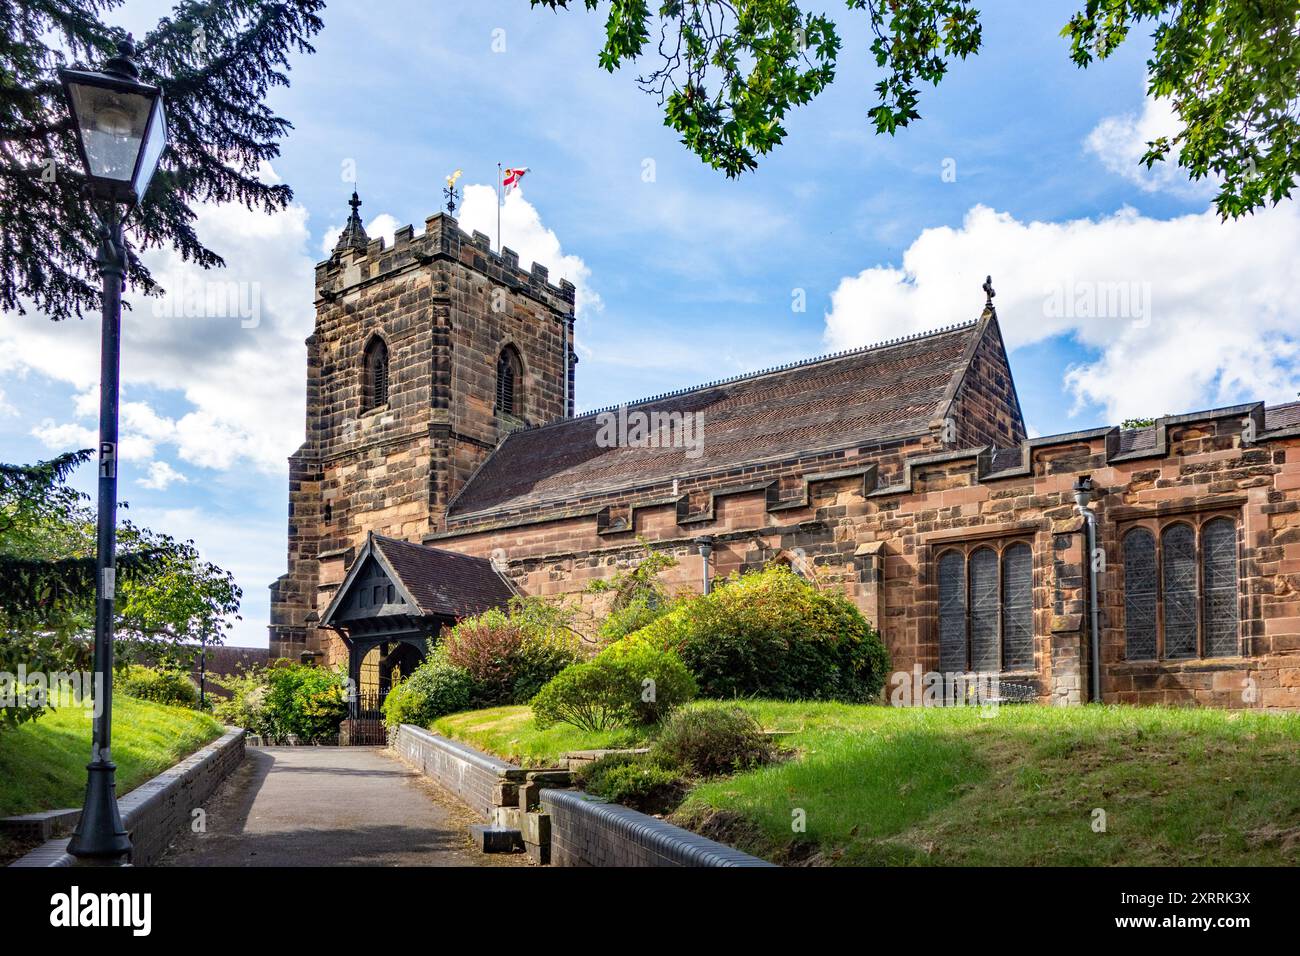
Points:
x=331 y=806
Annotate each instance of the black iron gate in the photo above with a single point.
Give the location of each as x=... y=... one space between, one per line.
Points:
x=364 y=726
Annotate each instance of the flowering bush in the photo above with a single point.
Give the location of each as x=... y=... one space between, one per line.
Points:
x=509 y=654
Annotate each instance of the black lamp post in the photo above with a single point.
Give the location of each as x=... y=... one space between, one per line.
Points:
x=121 y=135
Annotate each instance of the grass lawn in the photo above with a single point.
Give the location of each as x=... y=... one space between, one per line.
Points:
x=509 y=733
x=43 y=762
x=880 y=785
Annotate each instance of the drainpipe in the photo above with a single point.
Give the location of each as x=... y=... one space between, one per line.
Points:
x=706 y=549
x=1082 y=496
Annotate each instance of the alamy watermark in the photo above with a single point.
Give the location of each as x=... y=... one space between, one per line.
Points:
x=193 y=298
x=920 y=688
x=1092 y=299
x=39 y=689
x=638 y=429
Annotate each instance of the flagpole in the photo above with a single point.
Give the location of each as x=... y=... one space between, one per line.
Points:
x=498 y=207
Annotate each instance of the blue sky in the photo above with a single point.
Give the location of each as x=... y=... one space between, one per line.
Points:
x=1022 y=166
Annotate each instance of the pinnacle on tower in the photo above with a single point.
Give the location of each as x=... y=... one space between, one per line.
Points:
x=354 y=233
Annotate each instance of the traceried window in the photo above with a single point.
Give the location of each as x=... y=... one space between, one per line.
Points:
x=1180 y=590
x=986 y=607
x=509 y=375
x=374 y=375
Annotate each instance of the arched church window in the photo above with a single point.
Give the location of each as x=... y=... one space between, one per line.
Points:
x=374 y=380
x=1178 y=553
x=1219 y=577
x=1139 y=595
x=986 y=607
x=1017 y=607
x=1180 y=599
x=952 y=612
x=984 y=610
x=509 y=376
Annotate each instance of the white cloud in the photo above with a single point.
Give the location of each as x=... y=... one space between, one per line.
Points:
x=65 y=437
x=229 y=342
x=161 y=477
x=523 y=231
x=1121 y=141
x=1185 y=313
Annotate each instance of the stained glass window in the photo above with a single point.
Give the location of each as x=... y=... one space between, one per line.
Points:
x=952 y=612
x=1017 y=607
x=1139 y=595
x=1219 y=583
x=1178 y=582
x=984 y=651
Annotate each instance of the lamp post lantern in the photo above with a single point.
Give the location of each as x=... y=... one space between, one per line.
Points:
x=121 y=134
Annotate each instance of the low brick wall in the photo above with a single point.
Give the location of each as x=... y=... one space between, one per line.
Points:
x=587 y=831
x=472 y=775
x=154 y=812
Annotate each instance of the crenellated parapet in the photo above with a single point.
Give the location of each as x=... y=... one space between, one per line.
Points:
x=352 y=266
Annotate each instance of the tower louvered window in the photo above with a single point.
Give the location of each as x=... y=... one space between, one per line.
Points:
x=374 y=379
x=986 y=607
x=1180 y=599
x=509 y=373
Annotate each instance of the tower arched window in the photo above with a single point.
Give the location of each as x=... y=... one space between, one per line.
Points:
x=374 y=376
x=509 y=380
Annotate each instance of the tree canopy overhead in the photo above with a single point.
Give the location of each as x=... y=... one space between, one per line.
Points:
x=727 y=73
x=215 y=61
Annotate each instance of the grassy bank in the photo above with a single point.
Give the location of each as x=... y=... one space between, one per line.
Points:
x=43 y=763
x=509 y=733
x=874 y=785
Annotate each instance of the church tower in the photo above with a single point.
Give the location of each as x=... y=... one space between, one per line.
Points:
x=424 y=356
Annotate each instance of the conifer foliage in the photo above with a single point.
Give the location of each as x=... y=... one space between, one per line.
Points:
x=215 y=60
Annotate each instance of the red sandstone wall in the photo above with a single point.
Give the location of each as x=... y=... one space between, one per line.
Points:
x=847 y=535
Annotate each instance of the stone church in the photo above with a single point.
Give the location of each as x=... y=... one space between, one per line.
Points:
x=444 y=470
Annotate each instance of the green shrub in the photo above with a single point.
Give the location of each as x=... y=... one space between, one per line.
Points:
x=772 y=634
x=307 y=701
x=246 y=706
x=640 y=781
x=625 y=685
x=162 y=685
x=434 y=689
x=639 y=612
x=283 y=699
x=509 y=654
x=713 y=739
x=537 y=661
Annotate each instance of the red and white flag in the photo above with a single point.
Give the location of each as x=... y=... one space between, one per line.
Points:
x=512 y=177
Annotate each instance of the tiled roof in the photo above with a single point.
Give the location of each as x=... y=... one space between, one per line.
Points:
x=444 y=582
x=1282 y=416
x=864 y=396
